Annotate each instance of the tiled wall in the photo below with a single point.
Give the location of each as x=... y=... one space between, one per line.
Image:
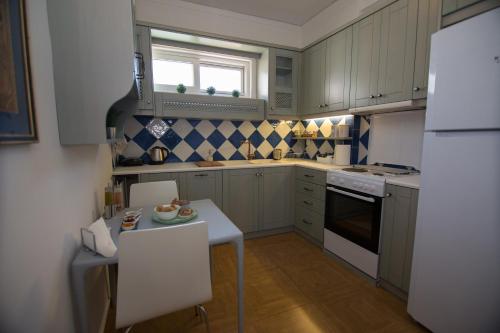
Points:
x=190 y=140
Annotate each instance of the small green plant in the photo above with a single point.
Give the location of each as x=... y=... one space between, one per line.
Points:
x=236 y=93
x=181 y=89
x=211 y=90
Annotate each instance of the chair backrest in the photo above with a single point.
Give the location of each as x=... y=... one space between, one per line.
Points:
x=162 y=270
x=153 y=193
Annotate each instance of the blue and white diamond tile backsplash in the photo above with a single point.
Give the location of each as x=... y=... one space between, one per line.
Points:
x=190 y=140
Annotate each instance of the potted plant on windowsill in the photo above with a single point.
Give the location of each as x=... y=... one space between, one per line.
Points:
x=211 y=91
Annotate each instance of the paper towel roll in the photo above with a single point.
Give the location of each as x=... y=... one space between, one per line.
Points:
x=342 y=154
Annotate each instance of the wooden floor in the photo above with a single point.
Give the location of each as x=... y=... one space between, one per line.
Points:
x=290 y=286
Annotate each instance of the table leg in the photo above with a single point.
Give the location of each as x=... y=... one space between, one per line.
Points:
x=78 y=277
x=238 y=243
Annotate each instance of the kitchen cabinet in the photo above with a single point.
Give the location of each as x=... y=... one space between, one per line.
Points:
x=241 y=197
x=450 y=6
x=145 y=104
x=93 y=58
x=427 y=24
x=276 y=192
x=338 y=70
x=454 y=11
x=258 y=199
x=365 y=59
x=314 y=79
x=164 y=176
x=310 y=202
x=384 y=55
x=203 y=185
x=283 y=82
x=397 y=236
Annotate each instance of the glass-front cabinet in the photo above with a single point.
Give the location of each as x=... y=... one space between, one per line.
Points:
x=283 y=82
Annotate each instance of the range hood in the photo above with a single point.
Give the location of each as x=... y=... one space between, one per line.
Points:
x=412 y=104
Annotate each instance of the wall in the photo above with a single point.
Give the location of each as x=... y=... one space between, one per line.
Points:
x=47 y=192
x=203 y=19
x=336 y=15
x=190 y=140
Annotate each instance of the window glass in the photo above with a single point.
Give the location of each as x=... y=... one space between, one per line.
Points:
x=169 y=72
x=223 y=79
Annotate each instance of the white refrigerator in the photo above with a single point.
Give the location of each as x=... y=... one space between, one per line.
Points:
x=455 y=279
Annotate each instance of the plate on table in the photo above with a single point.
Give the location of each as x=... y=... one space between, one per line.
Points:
x=176 y=220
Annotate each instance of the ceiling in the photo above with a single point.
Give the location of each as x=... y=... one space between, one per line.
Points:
x=295 y=12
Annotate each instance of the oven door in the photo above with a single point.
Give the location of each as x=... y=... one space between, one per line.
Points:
x=354 y=216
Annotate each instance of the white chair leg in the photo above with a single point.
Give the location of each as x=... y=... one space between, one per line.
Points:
x=204 y=315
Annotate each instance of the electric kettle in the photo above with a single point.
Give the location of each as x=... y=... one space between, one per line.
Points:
x=158 y=154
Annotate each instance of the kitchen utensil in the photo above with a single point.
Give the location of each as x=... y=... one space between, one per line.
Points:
x=158 y=154
x=342 y=154
x=205 y=164
x=277 y=154
x=343 y=131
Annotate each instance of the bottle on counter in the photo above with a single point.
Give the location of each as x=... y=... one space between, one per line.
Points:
x=108 y=201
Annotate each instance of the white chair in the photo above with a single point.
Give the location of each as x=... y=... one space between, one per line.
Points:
x=162 y=270
x=153 y=193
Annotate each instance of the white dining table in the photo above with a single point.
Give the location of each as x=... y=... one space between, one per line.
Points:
x=220 y=230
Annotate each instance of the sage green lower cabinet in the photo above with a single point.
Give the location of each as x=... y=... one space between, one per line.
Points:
x=258 y=199
x=241 y=197
x=276 y=192
x=398 y=232
x=163 y=176
x=203 y=185
x=310 y=222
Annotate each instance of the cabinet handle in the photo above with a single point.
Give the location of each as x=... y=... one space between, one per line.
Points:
x=416 y=89
x=372 y=97
x=326 y=105
x=307 y=203
x=257 y=174
x=388 y=195
x=379 y=95
x=272 y=107
x=308 y=189
x=261 y=174
x=201 y=175
x=308 y=176
x=306 y=222
x=320 y=106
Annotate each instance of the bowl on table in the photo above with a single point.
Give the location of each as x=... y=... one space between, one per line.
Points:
x=129 y=222
x=179 y=202
x=167 y=212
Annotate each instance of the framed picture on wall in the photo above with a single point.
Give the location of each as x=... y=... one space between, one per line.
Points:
x=17 y=114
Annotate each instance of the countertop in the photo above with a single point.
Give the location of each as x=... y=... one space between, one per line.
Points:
x=190 y=166
x=412 y=181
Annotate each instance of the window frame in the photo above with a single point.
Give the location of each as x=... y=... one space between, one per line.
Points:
x=248 y=67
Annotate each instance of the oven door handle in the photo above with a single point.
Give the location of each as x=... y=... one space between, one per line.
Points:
x=349 y=194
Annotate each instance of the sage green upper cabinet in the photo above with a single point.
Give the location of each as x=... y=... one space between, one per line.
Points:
x=203 y=185
x=397 y=52
x=241 y=197
x=450 y=6
x=143 y=48
x=365 y=60
x=427 y=24
x=283 y=82
x=398 y=233
x=314 y=79
x=276 y=198
x=338 y=70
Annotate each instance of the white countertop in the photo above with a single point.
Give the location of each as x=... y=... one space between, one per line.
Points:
x=189 y=166
x=412 y=181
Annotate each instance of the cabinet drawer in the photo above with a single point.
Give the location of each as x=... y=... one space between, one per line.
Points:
x=310 y=190
x=312 y=176
x=310 y=222
x=309 y=203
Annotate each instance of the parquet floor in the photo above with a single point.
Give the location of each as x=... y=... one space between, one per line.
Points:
x=290 y=286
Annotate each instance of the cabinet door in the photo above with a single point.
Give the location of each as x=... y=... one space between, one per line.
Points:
x=314 y=79
x=143 y=46
x=241 y=197
x=204 y=185
x=338 y=70
x=365 y=59
x=398 y=233
x=427 y=24
x=397 y=52
x=159 y=177
x=283 y=82
x=276 y=198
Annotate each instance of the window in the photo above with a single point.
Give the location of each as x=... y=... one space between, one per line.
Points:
x=198 y=70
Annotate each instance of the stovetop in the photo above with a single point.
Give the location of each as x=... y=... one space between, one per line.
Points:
x=368 y=179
